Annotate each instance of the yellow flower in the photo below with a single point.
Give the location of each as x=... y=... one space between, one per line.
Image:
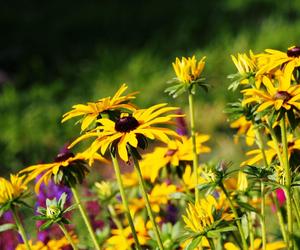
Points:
x=270 y=152
x=242 y=184
x=13 y=189
x=189 y=179
x=284 y=96
x=199 y=217
x=48 y=170
x=52 y=244
x=92 y=110
x=277 y=59
x=104 y=189
x=175 y=152
x=188 y=69
x=244 y=63
x=246 y=128
x=130 y=129
x=257 y=245
x=122 y=239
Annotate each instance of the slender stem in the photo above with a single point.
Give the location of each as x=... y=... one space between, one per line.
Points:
x=68 y=236
x=20 y=227
x=277 y=147
x=125 y=202
x=251 y=232
x=211 y=243
x=261 y=146
x=263 y=216
x=280 y=219
x=193 y=134
x=296 y=203
x=296 y=207
x=238 y=222
x=117 y=222
x=288 y=180
x=146 y=198
x=85 y=218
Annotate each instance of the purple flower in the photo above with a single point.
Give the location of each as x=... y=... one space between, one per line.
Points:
x=181 y=127
x=8 y=239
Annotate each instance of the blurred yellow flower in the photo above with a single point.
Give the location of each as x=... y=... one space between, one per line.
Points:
x=92 y=110
x=175 y=152
x=52 y=244
x=245 y=128
x=257 y=245
x=122 y=239
x=104 y=189
x=242 y=183
x=12 y=189
x=129 y=129
x=188 y=69
x=271 y=152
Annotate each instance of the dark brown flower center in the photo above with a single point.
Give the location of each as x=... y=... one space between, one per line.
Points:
x=171 y=152
x=283 y=95
x=126 y=124
x=294 y=52
x=63 y=156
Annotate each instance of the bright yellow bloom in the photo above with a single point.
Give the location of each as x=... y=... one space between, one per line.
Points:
x=283 y=96
x=188 y=69
x=189 y=179
x=245 y=128
x=159 y=196
x=277 y=59
x=53 y=244
x=244 y=64
x=257 y=245
x=175 y=152
x=122 y=239
x=13 y=189
x=128 y=129
x=242 y=184
x=92 y=110
x=199 y=217
x=48 y=170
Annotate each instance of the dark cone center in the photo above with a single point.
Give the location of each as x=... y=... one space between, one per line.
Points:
x=283 y=95
x=64 y=156
x=294 y=52
x=126 y=124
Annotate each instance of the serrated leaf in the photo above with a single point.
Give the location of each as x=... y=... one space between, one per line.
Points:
x=7 y=226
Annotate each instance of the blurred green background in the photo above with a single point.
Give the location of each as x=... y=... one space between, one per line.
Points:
x=56 y=54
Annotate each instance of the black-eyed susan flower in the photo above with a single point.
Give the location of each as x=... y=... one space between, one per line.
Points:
x=288 y=60
x=67 y=169
x=271 y=151
x=176 y=152
x=279 y=96
x=92 y=110
x=131 y=129
x=188 y=73
x=11 y=191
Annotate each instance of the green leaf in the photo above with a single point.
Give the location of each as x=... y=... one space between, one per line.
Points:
x=246 y=206
x=62 y=200
x=225 y=229
x=194 y=243
x=70 y=208
x=7 y=226
x=46 y=225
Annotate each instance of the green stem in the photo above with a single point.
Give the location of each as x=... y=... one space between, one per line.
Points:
x=263 y=216
x=280 y=219
x=288 y=180
x=296 y=203
x=277 y=147
x=251 y=231
x=20 y=227
x=146 y=198
x=125 y=202
x=117 y=222
x=193 y=134
x=238 y=222
x=68 y=236
x=296 y=212
x=211 y=243
x=85 y=218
